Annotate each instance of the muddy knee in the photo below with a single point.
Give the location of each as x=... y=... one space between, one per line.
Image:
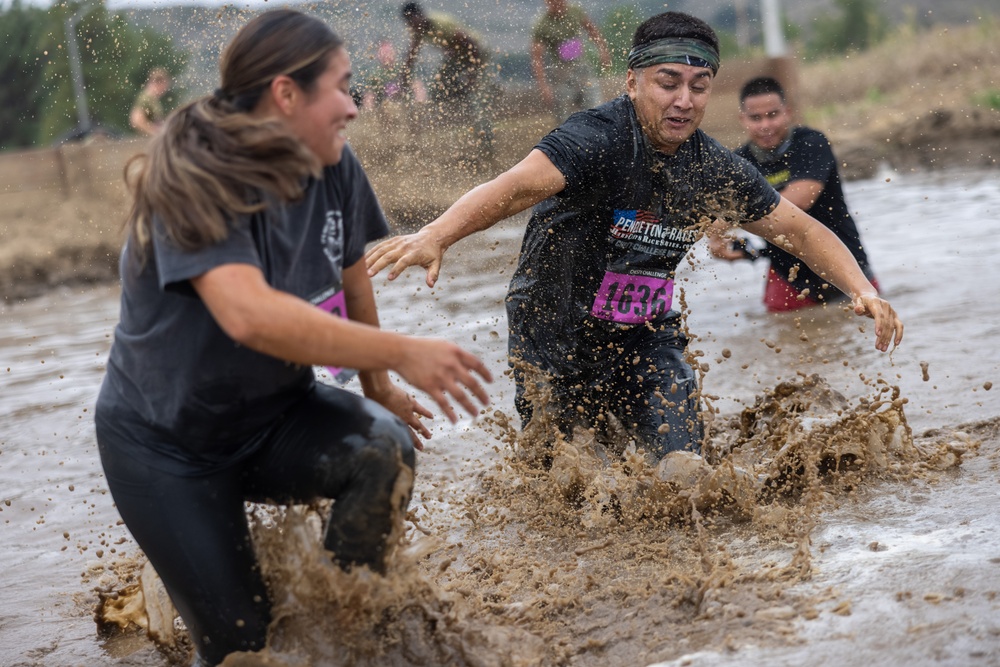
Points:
x=367 y=516
x=392 y=439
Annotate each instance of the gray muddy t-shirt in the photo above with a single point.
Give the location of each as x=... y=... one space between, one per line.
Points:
x=188 y=391
x=597 y=263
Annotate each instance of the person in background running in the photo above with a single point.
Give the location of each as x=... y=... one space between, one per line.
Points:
x=460 y=89
x=242 y=271
x=799 y=163
x=621 y=193
x=383 y=83
x=566 y=82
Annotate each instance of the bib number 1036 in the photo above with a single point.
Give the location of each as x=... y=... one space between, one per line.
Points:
x=632 y=299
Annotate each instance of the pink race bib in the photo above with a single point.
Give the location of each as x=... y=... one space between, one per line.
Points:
x=632 y=299
x=337 y=305
x=571 y=49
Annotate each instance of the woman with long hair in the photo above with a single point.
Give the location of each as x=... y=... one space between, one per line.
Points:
x=242 y=271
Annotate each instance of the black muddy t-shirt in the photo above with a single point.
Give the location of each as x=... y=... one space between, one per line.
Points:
x=808 y=156
x=193 y=397
x=598 y=259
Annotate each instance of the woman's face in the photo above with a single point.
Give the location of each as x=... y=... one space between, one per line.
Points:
x=320 y=118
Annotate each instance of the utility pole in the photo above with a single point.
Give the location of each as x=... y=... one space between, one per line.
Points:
x=82 y=112
x=774 y=35
x=781 y=65
x=742 y=24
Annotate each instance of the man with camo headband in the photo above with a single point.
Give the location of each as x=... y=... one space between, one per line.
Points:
x=622 y=192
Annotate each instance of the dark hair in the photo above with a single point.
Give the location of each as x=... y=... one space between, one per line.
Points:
x=674 y=24
x=761 y=85
x=281 y=41
x=212 y=157
x=411 y=9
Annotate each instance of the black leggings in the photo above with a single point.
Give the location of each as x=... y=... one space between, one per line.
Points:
x=194 y=530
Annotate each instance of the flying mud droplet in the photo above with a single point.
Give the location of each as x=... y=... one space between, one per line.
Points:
x=923 y=370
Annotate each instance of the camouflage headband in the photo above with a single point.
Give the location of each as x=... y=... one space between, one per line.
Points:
x=681 y=50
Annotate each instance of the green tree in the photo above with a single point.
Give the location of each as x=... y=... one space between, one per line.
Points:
x=859 y=25
x=115 y=60
x=21 y=94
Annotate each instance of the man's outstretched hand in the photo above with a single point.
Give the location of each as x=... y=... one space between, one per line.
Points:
x=888 y=326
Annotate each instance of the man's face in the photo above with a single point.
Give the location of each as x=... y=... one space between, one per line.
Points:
x=766 y=119
x=670 y=101
x=159 y=87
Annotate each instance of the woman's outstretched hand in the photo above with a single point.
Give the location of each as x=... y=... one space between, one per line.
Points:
x=445 y=371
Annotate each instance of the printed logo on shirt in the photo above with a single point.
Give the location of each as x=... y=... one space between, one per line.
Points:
x=645 y=228
x=332 y=239
x=779 y=178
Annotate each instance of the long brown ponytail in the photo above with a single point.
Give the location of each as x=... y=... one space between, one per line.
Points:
x=211 y=156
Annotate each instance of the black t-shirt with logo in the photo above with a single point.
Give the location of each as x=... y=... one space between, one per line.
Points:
x=808 y=156
x=597 y=262
x=192 y=395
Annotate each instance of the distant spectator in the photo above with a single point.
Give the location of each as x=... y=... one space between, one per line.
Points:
x=385 y=82
x=566 y=83
x=147 y=112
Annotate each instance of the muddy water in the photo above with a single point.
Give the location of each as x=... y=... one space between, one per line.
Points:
x=505 y=568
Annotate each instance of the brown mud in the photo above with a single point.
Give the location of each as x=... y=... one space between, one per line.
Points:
x=599 y=558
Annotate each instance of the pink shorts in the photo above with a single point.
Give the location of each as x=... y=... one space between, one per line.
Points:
x=780 y=296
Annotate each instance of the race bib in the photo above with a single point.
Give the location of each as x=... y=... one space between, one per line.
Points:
x=337 y=305
x=632 y=299
x=571 y=49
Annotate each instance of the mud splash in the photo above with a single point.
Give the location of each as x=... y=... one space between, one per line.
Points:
x=570 y=551
x=620 y=560
x=324 y=615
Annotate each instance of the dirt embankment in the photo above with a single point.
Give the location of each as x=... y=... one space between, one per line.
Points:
x=919 y=101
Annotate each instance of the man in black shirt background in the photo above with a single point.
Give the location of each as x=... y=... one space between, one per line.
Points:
x=800 y=164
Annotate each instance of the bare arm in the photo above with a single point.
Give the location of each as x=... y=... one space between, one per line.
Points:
x=598 y=39
x=538 y=69
x=281 y=325
x=376 y=385
x=522 y=186
x=140 y=122
x=803 y=193
x=798 y=233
